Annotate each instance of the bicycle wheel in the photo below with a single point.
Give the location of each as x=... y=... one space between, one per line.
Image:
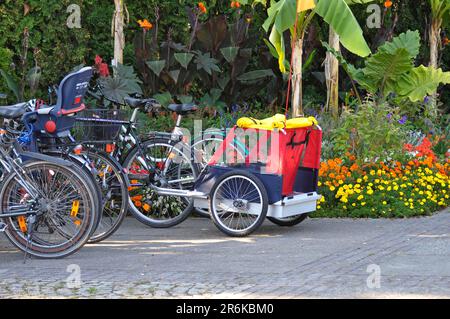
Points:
x=112 y=183
x=157 y=162
x=238 y=203
x=90 y=179
x=64 y=204
x=203 y=149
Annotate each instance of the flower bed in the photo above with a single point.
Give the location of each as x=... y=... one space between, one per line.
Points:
x=418 y=187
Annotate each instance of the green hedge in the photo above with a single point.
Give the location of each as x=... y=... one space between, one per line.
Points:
x=61 y=48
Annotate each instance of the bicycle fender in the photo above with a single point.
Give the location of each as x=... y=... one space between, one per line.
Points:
x=46 y=158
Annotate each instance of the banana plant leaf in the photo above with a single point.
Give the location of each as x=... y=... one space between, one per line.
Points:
x=339 y=16
x=11 y=83
x=257 y=75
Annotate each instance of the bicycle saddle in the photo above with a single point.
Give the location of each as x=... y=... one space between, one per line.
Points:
x=135 y=103
x=182 y=108
x=13 y=111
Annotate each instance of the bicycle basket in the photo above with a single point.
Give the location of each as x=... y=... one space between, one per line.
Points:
x=99 y=125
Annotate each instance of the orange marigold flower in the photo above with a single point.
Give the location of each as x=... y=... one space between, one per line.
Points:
x=388 y=4
x=145 y=24
x=202 y=7
x=138 y=204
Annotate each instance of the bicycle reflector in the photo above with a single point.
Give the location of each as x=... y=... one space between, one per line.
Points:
x=75 y=208
x=78 y=150
x=109 y=148
x=22 y=224
x=50 y=126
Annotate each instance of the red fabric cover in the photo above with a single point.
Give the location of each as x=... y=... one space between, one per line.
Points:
x=274 y=148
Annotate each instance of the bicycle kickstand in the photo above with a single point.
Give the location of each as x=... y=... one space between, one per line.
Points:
x=31 y=221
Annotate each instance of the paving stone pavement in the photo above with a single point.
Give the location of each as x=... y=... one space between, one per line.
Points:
x=324 y=258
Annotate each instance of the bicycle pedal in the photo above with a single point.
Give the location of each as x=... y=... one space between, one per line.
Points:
x=3 y=227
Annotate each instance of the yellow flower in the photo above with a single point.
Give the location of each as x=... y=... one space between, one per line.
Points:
x=319 y=184
x=384 y=202
x=363 y=204
x=369 y=192
x=360 y=197
x=332 y=188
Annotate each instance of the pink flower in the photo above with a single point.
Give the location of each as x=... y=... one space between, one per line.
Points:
x=103 y=70
x=98 y=60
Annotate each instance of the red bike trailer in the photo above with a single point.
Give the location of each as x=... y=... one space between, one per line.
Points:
x=285 y=163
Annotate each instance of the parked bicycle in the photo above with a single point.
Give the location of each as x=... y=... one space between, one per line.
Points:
x=47 y=206
x=50 y=134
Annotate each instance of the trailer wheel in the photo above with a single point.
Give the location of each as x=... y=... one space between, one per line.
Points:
x=238 y=203
x=288 y=221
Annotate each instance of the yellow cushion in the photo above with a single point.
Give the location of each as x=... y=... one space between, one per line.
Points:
x=276 y=121
x=301 y=122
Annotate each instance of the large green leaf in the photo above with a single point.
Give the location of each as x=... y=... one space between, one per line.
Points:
x=33 y=77
x=127 y=74
x=115 y=88
x=205 y=62
x=421 y=81
x=174 y=74
x=183 y=58
x=281 y=14
x=383 y=70
x=277 y=40
x=156 y=66
x=229 y=53
x=256 y=75
x=163 y=98
x=11 y=83
x=339 y=16
x=409 y=40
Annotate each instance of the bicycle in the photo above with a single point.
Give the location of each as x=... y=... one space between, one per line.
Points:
x=47 y=207
x=51 y=134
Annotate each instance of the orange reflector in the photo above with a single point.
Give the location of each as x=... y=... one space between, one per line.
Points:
x=75 y=208
x=78 y=150
x=109 y=148
x=22 y=224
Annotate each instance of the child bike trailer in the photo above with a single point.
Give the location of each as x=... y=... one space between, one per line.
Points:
x=277 y=179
